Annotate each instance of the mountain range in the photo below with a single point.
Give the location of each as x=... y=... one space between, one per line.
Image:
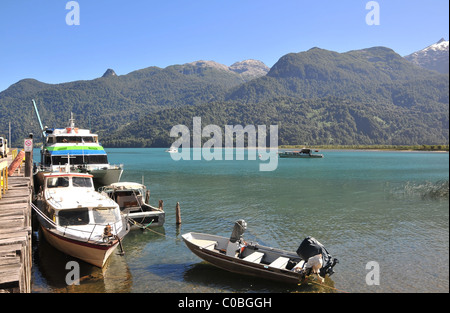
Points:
x=367 y=96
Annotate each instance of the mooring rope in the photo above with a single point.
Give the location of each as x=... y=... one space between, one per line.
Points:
x=146 y=227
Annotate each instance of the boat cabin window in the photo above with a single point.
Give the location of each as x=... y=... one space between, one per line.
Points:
x=81 y=182
x=55 y=182
x=106 y=215
x=74 y=217
x=80 y=159
x=50 y=139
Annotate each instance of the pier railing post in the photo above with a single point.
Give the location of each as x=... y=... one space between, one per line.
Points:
x=28 y=148
x=3 y=177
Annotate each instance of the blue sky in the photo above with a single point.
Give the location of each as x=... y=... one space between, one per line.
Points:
x=36 y=42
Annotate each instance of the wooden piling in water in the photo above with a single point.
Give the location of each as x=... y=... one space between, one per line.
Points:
x=178 y=213
x=147 y=196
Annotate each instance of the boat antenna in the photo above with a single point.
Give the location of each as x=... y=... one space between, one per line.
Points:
x=71 y=121
x=68 y=163
x=39 y=118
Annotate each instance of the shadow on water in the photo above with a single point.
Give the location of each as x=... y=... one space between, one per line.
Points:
x=137 y=237
x=208 y=276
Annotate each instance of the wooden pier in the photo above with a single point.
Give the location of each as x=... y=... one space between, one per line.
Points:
x=15 y=231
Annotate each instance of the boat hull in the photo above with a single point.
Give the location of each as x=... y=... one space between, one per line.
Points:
x=299 y=156
x=240 y=266
x=94 y=254
x=146 y=219
x=104 y=177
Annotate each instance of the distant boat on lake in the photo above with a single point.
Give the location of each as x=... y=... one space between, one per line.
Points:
x=172 y=150
x=303 y=153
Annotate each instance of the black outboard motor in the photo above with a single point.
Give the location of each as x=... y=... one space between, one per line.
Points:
x=238 y=230
x=236 y=239
x=311 y=247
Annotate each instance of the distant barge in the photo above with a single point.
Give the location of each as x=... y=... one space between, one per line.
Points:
x=303 y=153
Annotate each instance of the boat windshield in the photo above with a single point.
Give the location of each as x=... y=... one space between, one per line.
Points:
x=55 y=182
x=75 y=139
x=81 y=182
x=73 y=217
x=106 y=215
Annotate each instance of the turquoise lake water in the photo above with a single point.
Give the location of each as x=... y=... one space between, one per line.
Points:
x=362 y=206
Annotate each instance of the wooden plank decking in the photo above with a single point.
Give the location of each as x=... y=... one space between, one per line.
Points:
x=15 y=236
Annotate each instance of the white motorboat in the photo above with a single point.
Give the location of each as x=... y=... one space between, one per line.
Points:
x=172 y=150
x=77 y=220
x=133 y=200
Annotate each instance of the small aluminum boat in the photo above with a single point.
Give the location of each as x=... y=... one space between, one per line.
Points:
x=248 y=258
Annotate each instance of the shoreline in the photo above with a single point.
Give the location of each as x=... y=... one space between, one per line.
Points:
x=424 y=148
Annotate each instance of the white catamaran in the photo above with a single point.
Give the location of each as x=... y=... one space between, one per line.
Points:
x=78 y=147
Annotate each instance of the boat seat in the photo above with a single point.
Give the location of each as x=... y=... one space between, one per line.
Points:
x=280 y=263
x=255 y=257
x=204 y=244
x=299 y=266
x=130 y=203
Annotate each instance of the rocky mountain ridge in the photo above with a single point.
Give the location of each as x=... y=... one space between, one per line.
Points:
x=434 y=57
x=367 y=96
